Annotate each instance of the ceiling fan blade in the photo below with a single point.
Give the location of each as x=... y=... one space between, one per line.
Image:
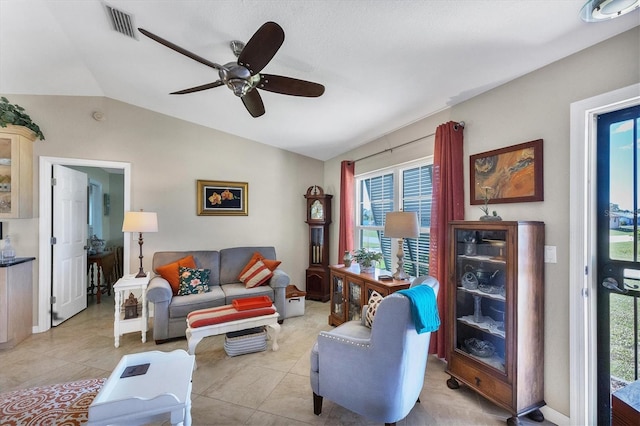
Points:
x=179 y=49
x=262 y=46
x=198 y=88
x=290 y=86
x=253 y=102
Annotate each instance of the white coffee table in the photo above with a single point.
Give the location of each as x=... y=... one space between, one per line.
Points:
x=163 y=392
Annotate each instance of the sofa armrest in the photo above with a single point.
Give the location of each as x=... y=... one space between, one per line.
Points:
x=159 y=290
x=280 y=279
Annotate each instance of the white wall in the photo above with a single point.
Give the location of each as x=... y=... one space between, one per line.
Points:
x=535 y=106
x=167 y=157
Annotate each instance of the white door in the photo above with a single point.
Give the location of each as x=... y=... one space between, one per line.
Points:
x=69 y=269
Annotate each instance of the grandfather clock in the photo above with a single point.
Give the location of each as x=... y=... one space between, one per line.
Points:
x=318 y=219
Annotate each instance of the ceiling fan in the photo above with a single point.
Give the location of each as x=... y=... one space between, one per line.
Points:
x=243 y=76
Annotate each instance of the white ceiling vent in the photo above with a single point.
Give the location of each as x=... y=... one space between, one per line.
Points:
x=121 y=22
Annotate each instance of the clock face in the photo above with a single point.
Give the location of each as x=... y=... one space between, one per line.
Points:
x=317 y=210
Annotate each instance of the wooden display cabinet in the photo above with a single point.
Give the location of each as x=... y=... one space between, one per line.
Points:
x=16 y=172
x=318 y=219
x=351 y=289
x=495 y=315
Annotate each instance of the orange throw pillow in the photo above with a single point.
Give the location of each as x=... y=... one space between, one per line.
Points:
x=256 y=275
x=271 y=264
x=171 y=272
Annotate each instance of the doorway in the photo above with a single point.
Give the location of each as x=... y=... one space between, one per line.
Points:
x=583 y=274
x=618 y=266
x=45 y=227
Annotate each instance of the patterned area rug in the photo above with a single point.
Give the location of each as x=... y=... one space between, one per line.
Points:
x=65 y=404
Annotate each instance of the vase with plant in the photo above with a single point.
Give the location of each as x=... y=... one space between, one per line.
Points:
x=15 y=115
x=367 y=259
x=486 y=196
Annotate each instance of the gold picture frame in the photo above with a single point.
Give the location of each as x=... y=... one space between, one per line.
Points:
x=222 y=198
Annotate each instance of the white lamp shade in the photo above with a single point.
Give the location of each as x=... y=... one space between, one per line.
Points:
x=140 y=222
x=401 y=225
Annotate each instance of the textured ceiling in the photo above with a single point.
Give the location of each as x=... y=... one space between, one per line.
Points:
x=384 y=64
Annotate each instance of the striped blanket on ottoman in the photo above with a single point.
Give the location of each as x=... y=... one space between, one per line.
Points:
x=246 y=313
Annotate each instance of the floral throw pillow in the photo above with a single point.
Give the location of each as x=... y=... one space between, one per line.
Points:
x=374 y=302
x=193 y=281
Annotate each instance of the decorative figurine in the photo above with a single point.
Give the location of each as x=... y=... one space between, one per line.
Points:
x=131 y=307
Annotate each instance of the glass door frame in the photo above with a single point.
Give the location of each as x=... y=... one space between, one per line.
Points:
x=582 y=279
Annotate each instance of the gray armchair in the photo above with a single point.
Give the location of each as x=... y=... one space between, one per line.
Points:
x=377 y=372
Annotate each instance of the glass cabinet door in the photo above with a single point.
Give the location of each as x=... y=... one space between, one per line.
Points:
x=481 y=292
x=5 y=175
x=355 y=299
x=337 y=297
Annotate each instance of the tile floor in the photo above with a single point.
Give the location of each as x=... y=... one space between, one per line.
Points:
x=265 y=388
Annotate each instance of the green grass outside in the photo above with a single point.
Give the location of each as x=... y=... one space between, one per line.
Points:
x=621 y=318
x=621 y=345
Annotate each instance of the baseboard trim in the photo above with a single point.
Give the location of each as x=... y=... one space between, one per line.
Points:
x=555 y=417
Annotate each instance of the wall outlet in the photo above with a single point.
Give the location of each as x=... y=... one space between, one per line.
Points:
x=550 y=254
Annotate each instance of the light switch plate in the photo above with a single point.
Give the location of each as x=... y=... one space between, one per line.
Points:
x=550 y=254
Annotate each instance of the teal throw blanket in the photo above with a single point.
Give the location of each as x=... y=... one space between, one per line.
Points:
x=424 y=308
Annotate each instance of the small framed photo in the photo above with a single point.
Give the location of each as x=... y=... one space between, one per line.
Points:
x=221 y=198
x=507 y=175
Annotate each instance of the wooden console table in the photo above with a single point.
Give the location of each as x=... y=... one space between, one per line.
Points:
x=350 y=291
x=104 y=261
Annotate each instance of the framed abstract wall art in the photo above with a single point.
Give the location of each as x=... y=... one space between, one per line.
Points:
x=507 y=175
x=220 y=198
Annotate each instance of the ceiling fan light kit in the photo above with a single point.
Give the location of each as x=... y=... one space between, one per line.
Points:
x=244 y=77
x=603 y=10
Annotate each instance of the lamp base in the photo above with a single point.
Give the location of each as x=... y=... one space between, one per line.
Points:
x=141 y=274
x=400 y=274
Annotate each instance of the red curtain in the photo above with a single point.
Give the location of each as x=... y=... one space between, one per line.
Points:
x=448 y=204
x=347 y=194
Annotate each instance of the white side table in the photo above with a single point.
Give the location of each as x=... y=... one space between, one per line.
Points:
x=162 y=392
x=141 y=323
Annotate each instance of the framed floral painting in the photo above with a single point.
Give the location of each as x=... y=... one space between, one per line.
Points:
x=220 y=198
x=507 y=175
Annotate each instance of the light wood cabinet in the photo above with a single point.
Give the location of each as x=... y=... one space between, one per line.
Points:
x=16 y=301
x=351 y=289
x=16 y=172
x=495 y=313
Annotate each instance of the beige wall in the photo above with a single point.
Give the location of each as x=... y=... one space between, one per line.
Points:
x=535 y=106
x=167 y=156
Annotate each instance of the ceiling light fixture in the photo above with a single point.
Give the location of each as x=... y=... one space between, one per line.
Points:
x=602 y=10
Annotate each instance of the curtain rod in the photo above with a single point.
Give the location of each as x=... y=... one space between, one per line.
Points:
x=456 y=127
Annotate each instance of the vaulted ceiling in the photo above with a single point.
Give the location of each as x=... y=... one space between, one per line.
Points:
x=384 y=63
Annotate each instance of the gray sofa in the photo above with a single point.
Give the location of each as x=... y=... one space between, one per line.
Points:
x=170 y=312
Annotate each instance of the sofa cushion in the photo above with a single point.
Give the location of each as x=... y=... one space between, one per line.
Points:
x=206 y=259
x=239 y=291
x=271 y=264
x=257 y=275
x=233 y=261
x=171 y=271
x=193 y=281
x=182 y=305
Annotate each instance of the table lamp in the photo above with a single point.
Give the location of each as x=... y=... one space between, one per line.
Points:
x=401 y=225
x=140 y=222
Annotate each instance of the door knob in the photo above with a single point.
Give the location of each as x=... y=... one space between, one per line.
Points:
x=611 y=284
